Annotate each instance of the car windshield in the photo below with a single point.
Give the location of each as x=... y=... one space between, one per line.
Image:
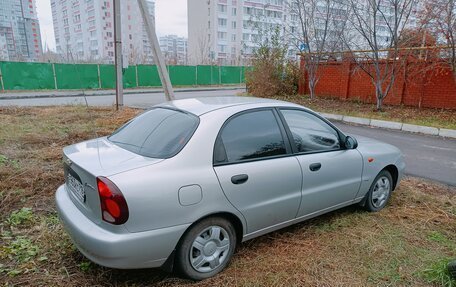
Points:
x=158 y=133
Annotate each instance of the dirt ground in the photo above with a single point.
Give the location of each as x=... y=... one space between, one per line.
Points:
x=406 y=244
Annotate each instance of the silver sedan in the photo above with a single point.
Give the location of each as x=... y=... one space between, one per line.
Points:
x=181 y=185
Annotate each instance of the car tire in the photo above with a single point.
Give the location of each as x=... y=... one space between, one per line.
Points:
x=452 y=269
x=206 y=248
x=379 y=192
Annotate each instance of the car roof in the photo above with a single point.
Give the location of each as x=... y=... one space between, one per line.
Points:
x=203 y=105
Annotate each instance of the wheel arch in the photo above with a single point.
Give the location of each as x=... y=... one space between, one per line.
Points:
x=232 y=218
x=392 y=169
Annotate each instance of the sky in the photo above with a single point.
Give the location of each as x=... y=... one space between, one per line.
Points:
x=170 y=18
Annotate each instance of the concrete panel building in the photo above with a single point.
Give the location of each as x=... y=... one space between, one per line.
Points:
x=225 y=31
x=20 y=38
x=84 y=30
x=174 y=49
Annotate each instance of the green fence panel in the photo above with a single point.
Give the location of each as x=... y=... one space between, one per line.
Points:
x=73 y=76
x=230 y=75
x=108 y=76
x=208 y=75
x=148 y=76
x=129 y=77
x=27 y=76
x=182 y=75
x=32 y=76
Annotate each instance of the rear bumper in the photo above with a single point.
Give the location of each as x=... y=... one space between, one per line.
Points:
x=122 y=250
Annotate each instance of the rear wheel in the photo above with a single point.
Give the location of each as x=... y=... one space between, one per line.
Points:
x=206 y=248
x=379 y=192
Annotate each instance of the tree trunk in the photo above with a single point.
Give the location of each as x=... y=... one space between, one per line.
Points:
x=311 y=90
x=379 y=96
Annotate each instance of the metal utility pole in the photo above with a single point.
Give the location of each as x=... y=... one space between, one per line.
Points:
x=118 y=53
x=157 y=54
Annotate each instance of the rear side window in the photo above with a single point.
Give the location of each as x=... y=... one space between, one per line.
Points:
x=249 y=136
x=158 y=133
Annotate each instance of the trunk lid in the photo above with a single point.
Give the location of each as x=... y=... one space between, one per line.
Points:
x=85 y=161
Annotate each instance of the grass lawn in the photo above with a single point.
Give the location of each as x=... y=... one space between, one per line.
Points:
x=438 y=118
x=406 y=244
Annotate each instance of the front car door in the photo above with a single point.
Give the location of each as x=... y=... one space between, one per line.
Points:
x=331 y=174
x=256 y=170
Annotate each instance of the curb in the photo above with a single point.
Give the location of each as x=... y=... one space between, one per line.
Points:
x=446 y=133
x=95 y=93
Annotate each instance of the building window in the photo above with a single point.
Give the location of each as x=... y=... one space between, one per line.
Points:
x=233 y=11
x=222 y=48
x=233 y=25
x=221 y=35
x=222 y=8
x=222 y=22
x=233 y=38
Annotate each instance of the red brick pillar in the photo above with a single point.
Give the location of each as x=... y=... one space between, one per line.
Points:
x=345 y=82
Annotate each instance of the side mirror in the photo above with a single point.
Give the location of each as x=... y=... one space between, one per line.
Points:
x=350 y=142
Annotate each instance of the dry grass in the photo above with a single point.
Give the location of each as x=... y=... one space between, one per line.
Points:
x=399 y=246
x=439 y=118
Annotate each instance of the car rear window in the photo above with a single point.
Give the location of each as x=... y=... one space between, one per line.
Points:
x=158 y=133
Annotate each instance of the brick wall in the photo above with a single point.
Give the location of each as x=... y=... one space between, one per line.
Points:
x=417 y=84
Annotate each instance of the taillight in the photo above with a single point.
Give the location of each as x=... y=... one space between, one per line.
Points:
x=114 y=208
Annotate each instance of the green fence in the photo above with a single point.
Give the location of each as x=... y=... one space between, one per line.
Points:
x=36 y=76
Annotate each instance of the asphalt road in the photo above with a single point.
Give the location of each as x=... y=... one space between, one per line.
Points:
x=143 y=100
x=426 y=156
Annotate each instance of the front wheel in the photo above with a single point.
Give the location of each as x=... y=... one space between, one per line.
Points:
x=379 y=192
x=206 y=249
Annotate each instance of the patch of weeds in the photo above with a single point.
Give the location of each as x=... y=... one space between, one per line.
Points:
x=52 y=220
x=438 y=274
x=4 y=161
x=440 y=238
x=85 y=266
x=437 y=237
x=21 y=249
x=20 y=216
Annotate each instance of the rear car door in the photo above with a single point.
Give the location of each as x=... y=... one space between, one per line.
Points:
x=331 y=174
x=256 y=170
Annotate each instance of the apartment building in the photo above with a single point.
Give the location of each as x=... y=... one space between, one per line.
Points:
x=228 y=31
x=20 y=38
x=174 y=49
x=84 y=30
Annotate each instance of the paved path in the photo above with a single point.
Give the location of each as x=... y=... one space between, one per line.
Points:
x=426 y=156
x=143 y=99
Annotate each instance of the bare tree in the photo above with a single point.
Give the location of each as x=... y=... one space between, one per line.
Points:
x=375 y=25
x=440 y=17
x=203 y=49
x=321 y=25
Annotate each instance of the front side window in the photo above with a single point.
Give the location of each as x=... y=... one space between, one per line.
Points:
x=248 y=136
x=158 y=133
x=310 y=134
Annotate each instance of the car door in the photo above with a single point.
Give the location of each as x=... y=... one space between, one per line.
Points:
x=331 y=174
x=256 y=169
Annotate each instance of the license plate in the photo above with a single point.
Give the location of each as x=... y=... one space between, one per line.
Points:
x=76 y=187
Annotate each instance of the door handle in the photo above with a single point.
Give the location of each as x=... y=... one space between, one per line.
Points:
x=315 y=166
x=239 y=179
